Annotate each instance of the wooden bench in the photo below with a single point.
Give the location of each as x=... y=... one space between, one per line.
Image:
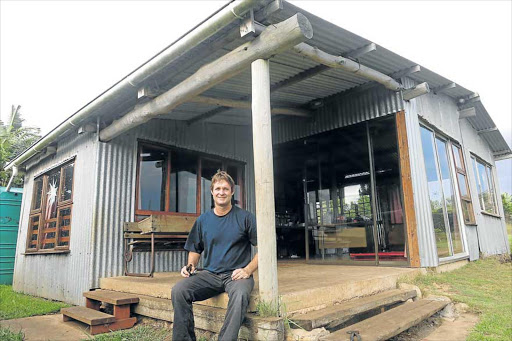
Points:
x=155 y=233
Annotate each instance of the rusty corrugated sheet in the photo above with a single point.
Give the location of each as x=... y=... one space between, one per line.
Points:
x=62 y=277
x=339 y=111
x=116 y=186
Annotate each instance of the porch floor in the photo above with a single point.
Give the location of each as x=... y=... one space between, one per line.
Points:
x=301 y=286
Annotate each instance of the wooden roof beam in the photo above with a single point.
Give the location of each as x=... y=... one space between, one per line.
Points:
x=346 y=64
x=240 y=104
x=405 y=72
x=443 y=88
x=275 y=39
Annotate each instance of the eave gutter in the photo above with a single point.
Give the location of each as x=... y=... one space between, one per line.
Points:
x=231 y=12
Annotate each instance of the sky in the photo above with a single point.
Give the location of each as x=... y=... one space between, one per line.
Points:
x=56 y=56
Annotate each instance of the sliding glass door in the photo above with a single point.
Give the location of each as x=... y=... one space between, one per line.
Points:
x=447 y=227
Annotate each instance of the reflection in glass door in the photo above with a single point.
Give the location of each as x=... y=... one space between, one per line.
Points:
x=442 y=200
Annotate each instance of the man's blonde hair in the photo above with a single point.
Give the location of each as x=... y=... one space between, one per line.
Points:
x=222 y=175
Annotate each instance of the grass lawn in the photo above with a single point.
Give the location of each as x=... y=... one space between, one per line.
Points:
x=139 y=333
x=486 y=286
x=14 y=305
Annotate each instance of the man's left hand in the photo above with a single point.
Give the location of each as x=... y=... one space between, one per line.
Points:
x=239 y=274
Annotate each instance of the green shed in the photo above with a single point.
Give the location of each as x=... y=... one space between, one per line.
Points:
x=10 y=205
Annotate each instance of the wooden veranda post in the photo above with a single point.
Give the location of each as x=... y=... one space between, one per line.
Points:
x=264 y=182
x=406 y=178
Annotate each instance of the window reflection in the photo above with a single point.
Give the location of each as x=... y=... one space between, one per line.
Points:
x=153 y=177
x=183 y=191
x=208 y=170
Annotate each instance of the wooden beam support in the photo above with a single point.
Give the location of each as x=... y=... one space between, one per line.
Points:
x=361 y=51
x=468 y=112
x=442 y=88
x=406 y=179
x=264 y=182
x=416 y=91
x=286 y=83
x=405 y=72
x=275 y=39
x=232 y=103
x=346 y=64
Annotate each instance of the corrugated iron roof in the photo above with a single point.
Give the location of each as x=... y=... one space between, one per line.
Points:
x=328 y=37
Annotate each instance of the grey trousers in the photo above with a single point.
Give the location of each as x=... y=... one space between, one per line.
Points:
x=202 y=286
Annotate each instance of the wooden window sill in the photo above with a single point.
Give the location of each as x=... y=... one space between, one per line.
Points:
x=491 y=214
x=46 y=252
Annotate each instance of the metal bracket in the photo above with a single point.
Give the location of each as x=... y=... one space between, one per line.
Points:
x=354 y=334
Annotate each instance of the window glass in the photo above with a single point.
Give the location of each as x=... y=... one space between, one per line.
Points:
x=235 y=171
x=67 y=183
x=38 y=193
x=208 y=170
x=486 y=194
x=456 y=237
x=64 y=225
x=153 y=177
x=52 y=191
x=50 y=228
x=462 y=184
x=435 y=193
x=457 y=156
x=183 y=194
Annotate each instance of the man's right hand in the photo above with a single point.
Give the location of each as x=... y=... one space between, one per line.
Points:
x=185 y=271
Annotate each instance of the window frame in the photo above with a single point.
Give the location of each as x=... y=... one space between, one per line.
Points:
x=225 y=163
x=463 y=171
x=490 y=178
x=42 y=208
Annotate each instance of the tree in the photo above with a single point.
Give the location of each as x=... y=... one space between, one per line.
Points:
x=507 y=206
x=14 y=139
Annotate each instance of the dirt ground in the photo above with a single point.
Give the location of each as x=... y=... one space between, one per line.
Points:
x=437 y=328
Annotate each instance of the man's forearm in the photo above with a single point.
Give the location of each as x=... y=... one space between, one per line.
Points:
x=193 y=258
x=252 y=266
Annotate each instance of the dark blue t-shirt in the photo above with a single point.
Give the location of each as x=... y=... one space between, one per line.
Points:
x=224 y=242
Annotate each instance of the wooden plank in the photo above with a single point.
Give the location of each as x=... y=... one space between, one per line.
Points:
x=88 y=316
x=131 y=227
x=335 y=315
x=390 y=323
x=157 y=236
x=112 y=297
x=118 y=325
x=406 y=179
x=165 y=223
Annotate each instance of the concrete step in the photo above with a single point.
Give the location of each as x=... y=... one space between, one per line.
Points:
x=211 y=318
x=390 y=323
x=335 y=315
x=86 y=315
x=112 y=297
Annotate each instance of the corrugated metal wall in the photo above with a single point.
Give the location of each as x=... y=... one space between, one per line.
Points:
x=115 y=198
x=62 y=277
x=338 y=111
x=490 y=231
x=441 y=112
x=424 y=223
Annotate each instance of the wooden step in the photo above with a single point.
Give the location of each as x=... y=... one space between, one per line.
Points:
x=390 y=323
x=86 y=315
x=112 y=297
x=333 y=316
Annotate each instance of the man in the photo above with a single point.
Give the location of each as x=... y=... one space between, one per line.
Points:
x=223 y=236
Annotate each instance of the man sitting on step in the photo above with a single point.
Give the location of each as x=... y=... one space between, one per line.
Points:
x=224 y=237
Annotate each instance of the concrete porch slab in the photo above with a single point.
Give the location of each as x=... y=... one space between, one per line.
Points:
x=301 y=286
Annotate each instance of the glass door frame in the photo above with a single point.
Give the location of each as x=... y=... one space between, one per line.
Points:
x=373 y=204
x=456 y=194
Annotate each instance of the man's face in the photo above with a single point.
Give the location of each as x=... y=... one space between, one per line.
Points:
x=222 y=193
